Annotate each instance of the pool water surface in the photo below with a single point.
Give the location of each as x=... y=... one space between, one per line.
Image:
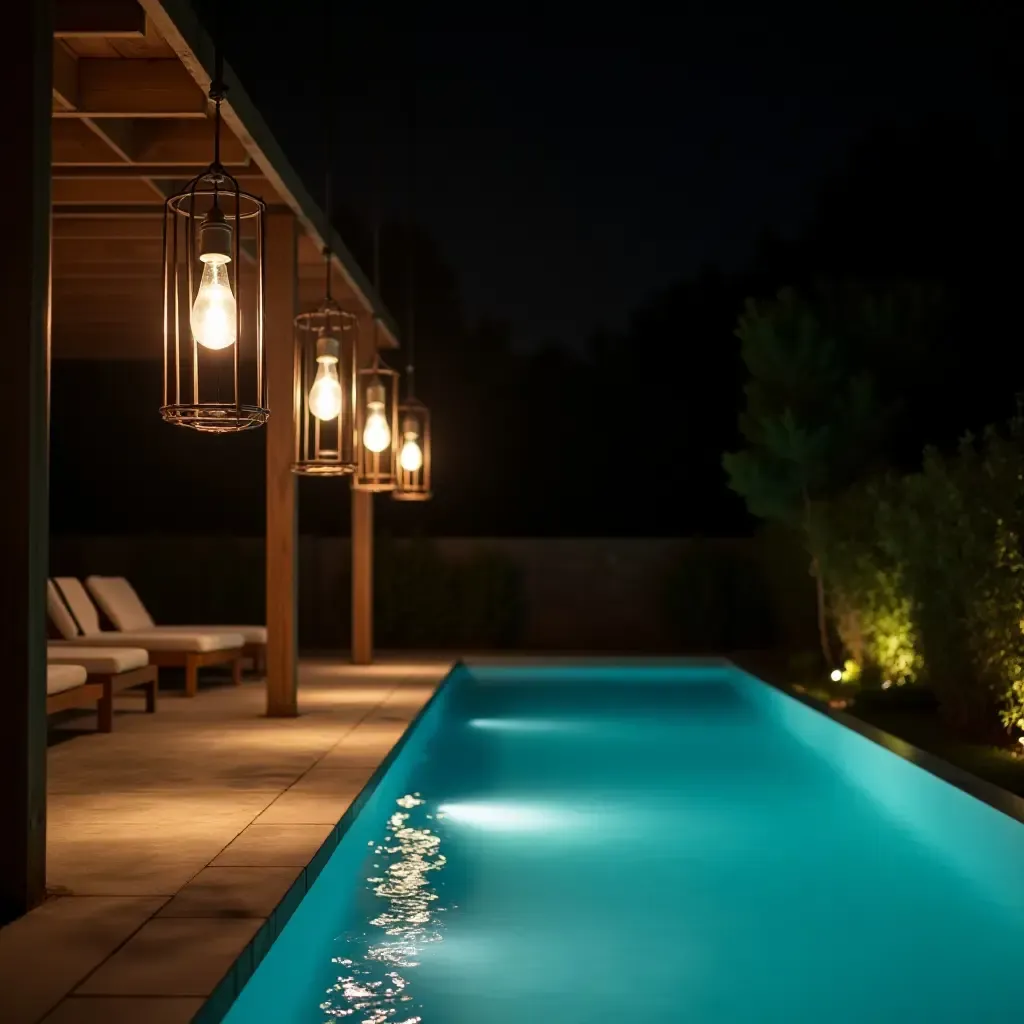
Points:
x=651 y=844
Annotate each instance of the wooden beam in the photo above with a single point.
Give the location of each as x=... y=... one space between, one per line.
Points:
x=24 y=395
x=159 y=87
x=186 y=142
x=102 y=193
x=112 y=19
x=185 y=146
x=282 y=517
x=166 y=172
x=65 y=77
x=81 y=225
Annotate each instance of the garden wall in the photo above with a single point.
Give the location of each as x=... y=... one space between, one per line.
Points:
x=473 y=593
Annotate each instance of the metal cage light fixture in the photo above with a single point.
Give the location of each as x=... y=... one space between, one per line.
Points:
x=326 y=347
x=214 y=359
x=412 y=472
x=376 y=434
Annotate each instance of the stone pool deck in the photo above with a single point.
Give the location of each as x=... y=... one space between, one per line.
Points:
x=172 y=839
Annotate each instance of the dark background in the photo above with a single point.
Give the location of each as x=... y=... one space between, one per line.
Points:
x=594 y=200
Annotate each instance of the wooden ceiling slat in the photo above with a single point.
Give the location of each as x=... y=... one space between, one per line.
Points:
x=89 y=228
x=86 y=193
x=104 y=18
x=136 y=88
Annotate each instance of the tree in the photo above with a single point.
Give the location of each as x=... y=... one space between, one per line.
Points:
x=813 y=417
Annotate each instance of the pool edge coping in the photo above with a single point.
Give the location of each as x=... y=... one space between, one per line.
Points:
x=219 y=1002
x=226 y=992
x=989 y=793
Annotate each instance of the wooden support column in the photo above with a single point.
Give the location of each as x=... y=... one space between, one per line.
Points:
x=362 y=534
x=24 y=397
x=362 y=577
x=282 y=517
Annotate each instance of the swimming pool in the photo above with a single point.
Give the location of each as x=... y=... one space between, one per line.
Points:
x=650 y=843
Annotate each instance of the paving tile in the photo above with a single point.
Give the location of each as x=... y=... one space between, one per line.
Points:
x=45 y=954
x=134 y=860
x=229 y=806
x=308 y=808
x=233 y=892
x=124 y=1010
x=284 y=845
x=173 y=957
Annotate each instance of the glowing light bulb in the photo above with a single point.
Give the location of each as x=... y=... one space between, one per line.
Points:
x=325 y=394
x=837 y=674
x=376 y=432
x=411 y=456
x=214 y=314
x=214 y=317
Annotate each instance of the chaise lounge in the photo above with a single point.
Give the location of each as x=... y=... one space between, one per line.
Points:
x=114 y=668
x=187 y=649
x=121 y=604
x=67 y=687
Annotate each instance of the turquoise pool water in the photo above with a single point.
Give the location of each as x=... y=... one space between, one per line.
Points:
x=582 y=845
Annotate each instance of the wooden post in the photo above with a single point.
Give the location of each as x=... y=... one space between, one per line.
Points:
x=24 y=397
x=282 y=545
x=362 y=578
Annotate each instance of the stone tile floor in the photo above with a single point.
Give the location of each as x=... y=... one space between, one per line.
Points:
x=172 y=839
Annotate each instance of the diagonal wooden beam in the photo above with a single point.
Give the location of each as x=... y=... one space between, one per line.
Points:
x=159 y=87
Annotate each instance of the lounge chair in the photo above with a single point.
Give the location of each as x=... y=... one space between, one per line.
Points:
x=114 y=668
x=67 y=687
x=187 y=649
x=121 y=604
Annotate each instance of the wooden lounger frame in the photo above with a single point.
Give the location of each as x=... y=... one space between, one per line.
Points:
x=257 y=652
x=192 y=661
x=99 y=689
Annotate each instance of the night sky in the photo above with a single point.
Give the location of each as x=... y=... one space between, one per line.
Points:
x=635 y=174
x=568 y=167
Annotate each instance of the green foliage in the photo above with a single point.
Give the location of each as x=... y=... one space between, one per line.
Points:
x=423 y=600
x=928 y=577
x=868 y=599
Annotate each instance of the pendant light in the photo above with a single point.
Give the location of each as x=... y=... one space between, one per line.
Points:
x=326 y=346
x=213 y=271
x=412 y=472
x=376 y=434
x=326 y=343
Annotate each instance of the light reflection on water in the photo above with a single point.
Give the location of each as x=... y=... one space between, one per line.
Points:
x=375 y=987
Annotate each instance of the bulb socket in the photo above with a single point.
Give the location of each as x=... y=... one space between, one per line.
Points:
x=327 y=349
x=215 y=237
x=411 y=426
x=375 y=393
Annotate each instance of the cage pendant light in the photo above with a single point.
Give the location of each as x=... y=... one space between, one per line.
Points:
x=412 y=469
x=376 y=434
x=213 y=269
x=326 y=343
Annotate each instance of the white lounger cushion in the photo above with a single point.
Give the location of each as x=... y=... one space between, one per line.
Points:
x=251 y=634
x=123 y=606
x=160 y=640
x=80 y=604
x=63 y=677
x=97 y=660
x=194 y=639
x=59 y=614
x=117 y=597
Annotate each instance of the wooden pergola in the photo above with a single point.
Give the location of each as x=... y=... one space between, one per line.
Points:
x=106 y=114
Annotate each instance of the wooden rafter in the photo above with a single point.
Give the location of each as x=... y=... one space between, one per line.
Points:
x=111 y=19
x=97 y=88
